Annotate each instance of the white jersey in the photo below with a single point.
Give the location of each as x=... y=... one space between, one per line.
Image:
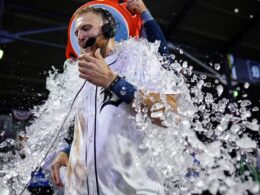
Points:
x=105 y=136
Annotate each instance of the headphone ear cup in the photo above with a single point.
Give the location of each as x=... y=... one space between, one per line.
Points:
x=108 y=31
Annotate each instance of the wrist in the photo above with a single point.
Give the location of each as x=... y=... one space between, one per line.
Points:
x=123 y=89
x=111 y=77
x=66 y=150
x=142 y=10
x=63 y=153
x=146 y=16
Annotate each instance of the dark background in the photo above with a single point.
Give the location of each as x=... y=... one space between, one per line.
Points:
x=33 y=36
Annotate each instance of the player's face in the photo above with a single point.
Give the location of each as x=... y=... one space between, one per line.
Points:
x=88 y=25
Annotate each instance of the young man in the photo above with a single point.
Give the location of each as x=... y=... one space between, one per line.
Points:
x=94 y=68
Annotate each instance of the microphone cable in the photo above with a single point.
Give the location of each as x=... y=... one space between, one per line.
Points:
x=87 y=43
x=56 y=137
x=95 y=138
x=95 y=127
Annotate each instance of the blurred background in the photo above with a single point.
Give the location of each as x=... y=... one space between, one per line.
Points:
x=219 y=38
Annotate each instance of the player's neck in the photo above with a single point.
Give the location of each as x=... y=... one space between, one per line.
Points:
x=109 y=48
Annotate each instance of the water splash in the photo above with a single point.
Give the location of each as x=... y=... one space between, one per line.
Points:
x=15 y=170
x=193 y=154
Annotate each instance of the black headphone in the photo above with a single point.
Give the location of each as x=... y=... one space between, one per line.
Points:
x=109 y=28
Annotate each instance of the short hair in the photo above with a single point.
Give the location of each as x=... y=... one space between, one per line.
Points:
x=109 y=23
x=106 y=15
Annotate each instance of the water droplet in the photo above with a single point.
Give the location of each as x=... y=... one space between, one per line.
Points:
x=203 y=76
x=200 y=84
x=217 y=66
x=246 y=85
x=202 y=108
x=233 y=107
x=209 y=98
x=3 y=144
x=2 y=133
x=246 y=143
x=198 y=126
x=252 y=125
x=236 y=10
x=207 y=84
x=176 y=66
x=185 y=64
x=245 y=103
x=235 y=128
x=219 y=90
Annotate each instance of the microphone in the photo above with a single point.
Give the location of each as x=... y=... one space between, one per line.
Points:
x=90 y=41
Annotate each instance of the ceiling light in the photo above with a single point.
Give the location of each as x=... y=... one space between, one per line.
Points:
x=1 y=54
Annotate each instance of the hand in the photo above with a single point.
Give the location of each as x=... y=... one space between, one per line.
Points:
x=136 y=6
x=61 y=160
x=152 y=98
x=95 y=69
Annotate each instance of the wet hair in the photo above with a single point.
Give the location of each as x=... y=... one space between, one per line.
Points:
x=106 y=15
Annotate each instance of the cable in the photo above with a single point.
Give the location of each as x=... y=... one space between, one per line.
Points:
x=48 y=151
x=55 y=139
x=95 y=126
x=95 y=133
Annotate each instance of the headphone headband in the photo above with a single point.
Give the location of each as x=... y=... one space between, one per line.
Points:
x=109 y=28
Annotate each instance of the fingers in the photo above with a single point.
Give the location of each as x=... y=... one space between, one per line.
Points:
x=98 y=54
x=86 y=65
x=87 y=60
x=61 y=160
x=87 y=57
x=131 y=3
x=90 y=67
x=87 y=70
x=131 y=6
x=55 y=174
x=136 y=6
x=87 y=75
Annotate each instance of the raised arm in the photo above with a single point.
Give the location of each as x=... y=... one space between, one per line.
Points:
x=151 y=29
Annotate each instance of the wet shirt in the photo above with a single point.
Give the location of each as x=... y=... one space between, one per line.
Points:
x=105 y=149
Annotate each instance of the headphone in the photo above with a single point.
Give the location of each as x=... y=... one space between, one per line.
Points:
x=109 y=28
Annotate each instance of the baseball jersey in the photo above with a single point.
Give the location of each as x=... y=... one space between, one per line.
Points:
x=105 y=149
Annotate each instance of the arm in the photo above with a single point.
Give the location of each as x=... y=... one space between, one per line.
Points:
x=151 y=29
x=95 y=70
x=62 y=159
x=66 y=150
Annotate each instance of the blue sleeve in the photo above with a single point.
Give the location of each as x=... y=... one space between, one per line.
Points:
x=146 y=16
x=153 y=32
x=67 y=149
